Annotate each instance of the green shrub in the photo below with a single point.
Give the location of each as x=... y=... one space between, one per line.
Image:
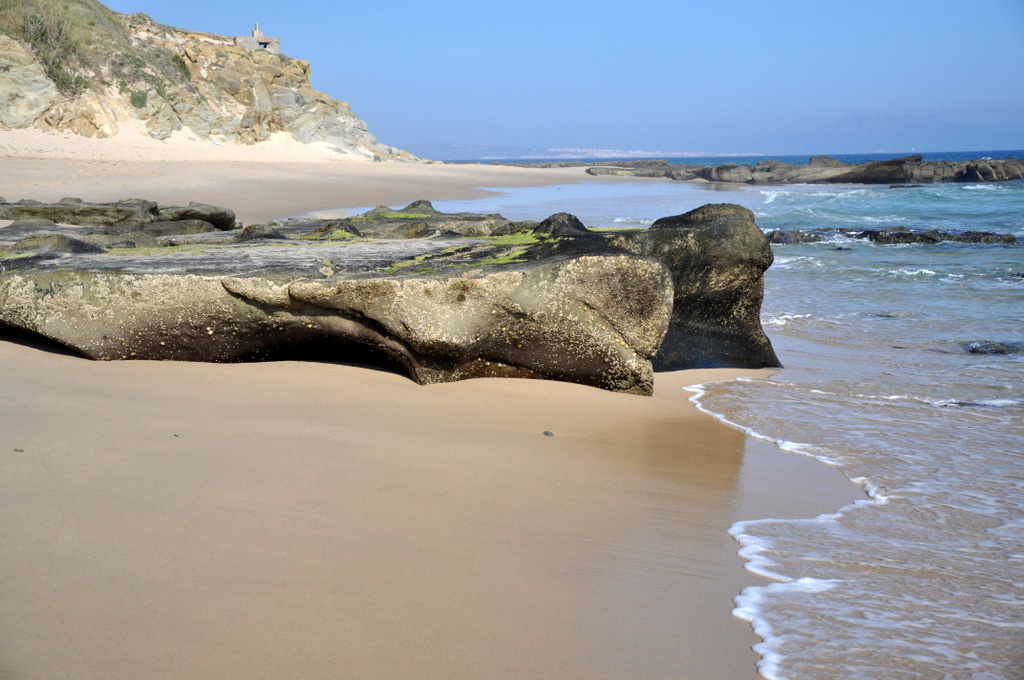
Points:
x=139 y=98
x=48 y=31
x=182 y=67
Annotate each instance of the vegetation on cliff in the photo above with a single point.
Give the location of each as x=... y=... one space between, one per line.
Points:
x=78 y=66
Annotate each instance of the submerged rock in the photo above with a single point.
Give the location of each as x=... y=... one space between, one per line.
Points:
x=553 y=300
x=990 y=347
x=905 y=235
x=789 y=237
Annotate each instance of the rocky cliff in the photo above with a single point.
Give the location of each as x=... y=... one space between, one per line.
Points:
x=80 y=67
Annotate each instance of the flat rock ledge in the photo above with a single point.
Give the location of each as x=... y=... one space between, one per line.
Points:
x=900 y=173
x=439 y=297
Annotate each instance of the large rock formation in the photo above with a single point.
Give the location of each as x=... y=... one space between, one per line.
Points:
x=826 y=170
x=116 y=68
x=545 y=300
x=718 y=256
x=27 y=92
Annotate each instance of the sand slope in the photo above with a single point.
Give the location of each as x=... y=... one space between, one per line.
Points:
x=303 y=520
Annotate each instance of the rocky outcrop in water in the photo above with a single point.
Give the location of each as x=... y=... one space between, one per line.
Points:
x=824 y=169
x=892 y=235
x=717 y=256
x=544 y=300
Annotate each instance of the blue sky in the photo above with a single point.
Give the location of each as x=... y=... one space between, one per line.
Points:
x=774 y=77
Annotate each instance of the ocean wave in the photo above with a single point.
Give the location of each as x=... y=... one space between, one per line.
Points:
x=912 y=272
x=973 y=403
x=699 y=390
x=786 y=262
x=785 y=318
x=642 y=221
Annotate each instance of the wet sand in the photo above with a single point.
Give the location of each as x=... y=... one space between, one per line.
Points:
x=301 y=520
x=305 y=520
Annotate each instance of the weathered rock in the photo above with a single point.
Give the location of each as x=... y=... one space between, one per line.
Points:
x=560 y=320
x=787 y=237
x=561 y=225
x=990 y=347
x=177 y=227
x=27 y=92
x=89 y=114
x=827 y=162
x=598 y=308
x=133 y=211
x=417 y=220
x=258 y=232
x=221 y=218
x=898 y=172
x=624 y=170
x=896 y=235
x=54 y=244
x=30 y=222
x=124 y=240
x=717 y=256
x=134 y=214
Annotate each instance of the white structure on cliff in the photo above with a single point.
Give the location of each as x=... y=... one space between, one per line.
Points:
x=258 y=41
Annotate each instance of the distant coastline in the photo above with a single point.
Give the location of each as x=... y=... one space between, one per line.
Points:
x=913 y=170
x=745 y=159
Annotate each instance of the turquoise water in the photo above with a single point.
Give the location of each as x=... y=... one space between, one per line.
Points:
x=905 y=368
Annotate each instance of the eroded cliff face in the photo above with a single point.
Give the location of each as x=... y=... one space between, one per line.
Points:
x=173 y=79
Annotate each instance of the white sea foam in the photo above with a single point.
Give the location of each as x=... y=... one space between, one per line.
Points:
x=912 y=272
x=785 y=318
x=787 y=262
x=638 y=221
x=924 y=578
x=700 y=389
x=749 y=607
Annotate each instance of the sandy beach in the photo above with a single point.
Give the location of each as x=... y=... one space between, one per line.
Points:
x=317 y=520
x=260 y=183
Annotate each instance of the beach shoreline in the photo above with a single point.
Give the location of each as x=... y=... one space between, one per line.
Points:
x=260 y=183
x=227 y=520
x=296 y=519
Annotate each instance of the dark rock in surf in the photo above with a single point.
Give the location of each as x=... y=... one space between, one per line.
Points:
x=903 y=235
x=780 y=237
x=717 y=256
x=989 y=347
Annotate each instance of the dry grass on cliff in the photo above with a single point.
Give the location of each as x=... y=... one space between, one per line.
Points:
x=82 y=44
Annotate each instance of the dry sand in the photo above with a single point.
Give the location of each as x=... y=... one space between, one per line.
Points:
x=304 y=520
x=260 y=183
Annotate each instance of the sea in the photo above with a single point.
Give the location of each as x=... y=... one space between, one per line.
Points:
x=904 y=367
